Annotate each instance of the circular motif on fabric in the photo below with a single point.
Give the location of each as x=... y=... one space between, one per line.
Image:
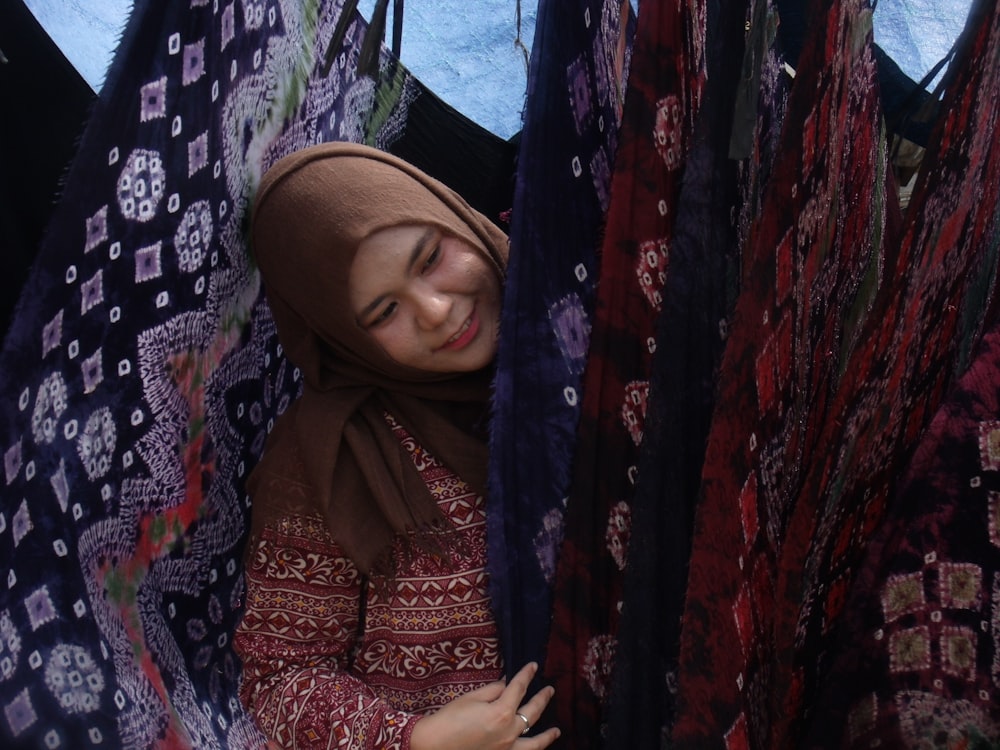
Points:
x=597 y=664
x=10 y=646
x=196 y=629
x=617 y=533
x=96 y=445
x=141 y=185
x=633 y=411
x=50 y=403
x=193 y=236
x=667 y=133
x=253 y=13
x=74 y=679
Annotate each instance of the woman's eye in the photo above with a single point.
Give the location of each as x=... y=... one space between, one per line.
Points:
x=432 y=258
x=384 y=314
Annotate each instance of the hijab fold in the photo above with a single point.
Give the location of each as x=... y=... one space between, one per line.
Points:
x=332 y=451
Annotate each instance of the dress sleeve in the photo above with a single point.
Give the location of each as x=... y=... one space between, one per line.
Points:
x=296 y=639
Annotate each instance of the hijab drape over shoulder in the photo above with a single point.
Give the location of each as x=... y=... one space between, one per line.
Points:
x=333 y=452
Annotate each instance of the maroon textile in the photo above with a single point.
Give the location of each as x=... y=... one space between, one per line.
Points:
x=731 y=152
x=915 y=663
x=665 y=81
x=849 y=328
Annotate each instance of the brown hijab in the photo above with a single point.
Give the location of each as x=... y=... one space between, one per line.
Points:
x=332 y=451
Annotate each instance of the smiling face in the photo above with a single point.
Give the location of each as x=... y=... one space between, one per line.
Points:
x=431 y=302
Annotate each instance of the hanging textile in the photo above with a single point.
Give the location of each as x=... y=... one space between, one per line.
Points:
x=30 y=178
x=730 y=156
x=141 y=372
x=849 y=327
x=666 y=75
x=561 y=193
x=915 y=663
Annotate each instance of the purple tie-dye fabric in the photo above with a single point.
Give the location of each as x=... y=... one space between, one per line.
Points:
x=562 y=192
x=141 y=374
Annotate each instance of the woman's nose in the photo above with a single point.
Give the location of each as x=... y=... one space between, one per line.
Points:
x=433 y=308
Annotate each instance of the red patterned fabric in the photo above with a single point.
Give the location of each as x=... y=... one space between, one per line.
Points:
x=851 y=324
x=425 y=639
x=917 y=660
x=665 y=82
x=916 y=665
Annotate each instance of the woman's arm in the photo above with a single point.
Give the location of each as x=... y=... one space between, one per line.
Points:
x=295 y=640
x=311 y=706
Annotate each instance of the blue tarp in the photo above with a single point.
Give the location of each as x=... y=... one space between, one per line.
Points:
x=466 y=52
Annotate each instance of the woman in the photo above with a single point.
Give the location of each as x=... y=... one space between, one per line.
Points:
x=368 y=623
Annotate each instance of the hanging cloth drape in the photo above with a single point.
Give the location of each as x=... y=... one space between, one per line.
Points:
x=849 y=328
x=916 y=662
x=665 y=80
x=742 y=102
x=142 y=372
x=562 y=191
x=916 y=659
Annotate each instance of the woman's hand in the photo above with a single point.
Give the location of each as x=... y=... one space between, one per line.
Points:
x=489 y=718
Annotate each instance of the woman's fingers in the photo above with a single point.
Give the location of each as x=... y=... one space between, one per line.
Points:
x=538 y=741
x=516 y=689
x=489 y=692
x=531 y=711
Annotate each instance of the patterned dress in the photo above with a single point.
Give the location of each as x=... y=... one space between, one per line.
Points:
x=331 y=661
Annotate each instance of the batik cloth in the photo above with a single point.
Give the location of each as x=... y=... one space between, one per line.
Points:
x=331 y=659
x=141 y=374
x=661 y=101
x=742 y=102
x=850 y=326
x=561 y=193
x=916 y=665
x=915 y=662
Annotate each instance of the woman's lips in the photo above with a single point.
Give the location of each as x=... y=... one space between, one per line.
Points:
x=464 y=336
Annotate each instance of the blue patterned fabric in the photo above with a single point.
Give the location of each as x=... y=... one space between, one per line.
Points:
x=562 y=191
x=141 y=374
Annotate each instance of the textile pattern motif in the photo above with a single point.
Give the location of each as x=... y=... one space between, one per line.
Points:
x=666 y=74
x=765 y=387
x=922 y=615
x=850 y=325
x=141 y=375
x=428 y=638
x=744 y=101
x=916 y=665
x=561 y=193
x=946 y=266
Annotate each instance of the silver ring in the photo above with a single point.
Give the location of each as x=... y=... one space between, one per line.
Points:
x=527 y=724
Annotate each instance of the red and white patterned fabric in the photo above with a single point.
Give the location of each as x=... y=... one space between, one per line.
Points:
x=426 y=638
